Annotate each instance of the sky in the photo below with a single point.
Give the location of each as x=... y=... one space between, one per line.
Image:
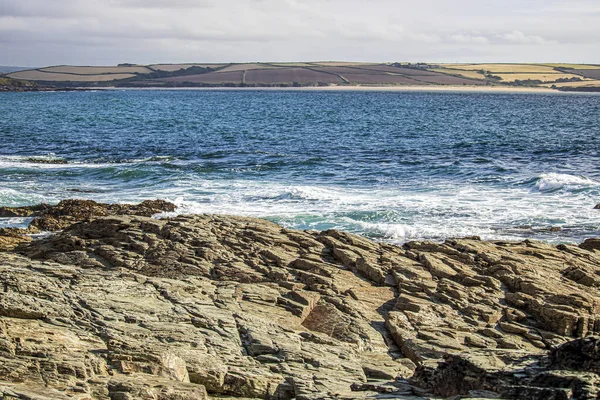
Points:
x=108 y=32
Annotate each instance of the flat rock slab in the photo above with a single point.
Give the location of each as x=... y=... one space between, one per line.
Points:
x=126 y=306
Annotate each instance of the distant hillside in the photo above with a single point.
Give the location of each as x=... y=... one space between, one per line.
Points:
x=559 y=76
x=5 y=69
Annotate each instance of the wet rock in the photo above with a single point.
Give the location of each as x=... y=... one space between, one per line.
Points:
x=59 y=216
x=67 y=212
x=28 y=211
x=46 y=160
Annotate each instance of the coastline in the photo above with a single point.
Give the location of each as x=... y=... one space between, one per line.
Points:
x=356 y=88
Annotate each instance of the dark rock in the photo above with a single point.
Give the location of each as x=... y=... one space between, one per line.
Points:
x=577 y=355
x=28 y=211
x=57 y=217
x=67 y=212
x=47 y=160
x=591 y=244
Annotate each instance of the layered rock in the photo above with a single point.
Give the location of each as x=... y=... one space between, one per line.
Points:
x=127 y=306
x=52 y=218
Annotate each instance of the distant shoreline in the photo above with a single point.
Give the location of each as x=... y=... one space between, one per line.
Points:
x=355 y=88
x=334 y=76
x=350 y=88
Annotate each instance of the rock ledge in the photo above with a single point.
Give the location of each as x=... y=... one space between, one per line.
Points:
x=123 y=306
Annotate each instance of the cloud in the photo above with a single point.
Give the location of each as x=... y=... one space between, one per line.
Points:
x=43 y=32
x=469 y=39
x=518 y=37
x=162 y=4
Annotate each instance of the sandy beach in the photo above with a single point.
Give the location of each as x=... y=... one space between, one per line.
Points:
x=357 y=88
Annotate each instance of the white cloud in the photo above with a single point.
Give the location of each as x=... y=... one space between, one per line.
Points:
x=42 y=32
x=469 y=39
x=519 y=37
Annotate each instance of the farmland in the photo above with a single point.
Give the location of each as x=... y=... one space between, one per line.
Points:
x=574 y=66
x=328 y=73
x=588 y=73
x=580 y=84
x=543 y=77
x=296 y=76
x=177 y=67
x=247 y=67
x=231 y=77
x=458 y=72
x=96 y=70
x=42 y=76
x=498 y=68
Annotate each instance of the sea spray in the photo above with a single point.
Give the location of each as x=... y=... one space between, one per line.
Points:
x=391 y=166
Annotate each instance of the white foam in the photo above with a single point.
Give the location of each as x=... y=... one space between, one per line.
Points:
x=15 y=222
x=555 y=181
x=23 y=162
x=399 y=233
x=389 y=213
x=51 y=161
x=394 y=214
x=11 y=197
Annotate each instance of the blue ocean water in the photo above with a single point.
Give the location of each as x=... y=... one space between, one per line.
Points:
x=394 y=166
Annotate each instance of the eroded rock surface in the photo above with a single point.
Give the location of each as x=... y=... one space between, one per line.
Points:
x=127 y=307
x=52 y=218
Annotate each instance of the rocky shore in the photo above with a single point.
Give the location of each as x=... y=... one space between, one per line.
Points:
x=118 y=305
x=19 y=85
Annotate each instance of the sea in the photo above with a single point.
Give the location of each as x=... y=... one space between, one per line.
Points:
x=393 y=166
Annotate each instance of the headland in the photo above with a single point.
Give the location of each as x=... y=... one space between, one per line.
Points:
x=564 y=77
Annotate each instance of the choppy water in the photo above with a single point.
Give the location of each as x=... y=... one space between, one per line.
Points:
x=390 y=165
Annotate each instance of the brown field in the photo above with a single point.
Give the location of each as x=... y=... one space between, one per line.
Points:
x=574 y=66
x=96 y=70
x=341 y=64
x=385 y=74
x=464 y=73
x=348 y=70
x=397 y=70
x=212 y=78
x=386 y=79
x=375 y=70
x=499 y=68
x=288 y=76
x=401 y=76
x=580 y=84
x=34 y=75
x=292 y=64
x=541 y=77
x=588 y=73
x=441 y=79
x=247 y=67
x=177 y=67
